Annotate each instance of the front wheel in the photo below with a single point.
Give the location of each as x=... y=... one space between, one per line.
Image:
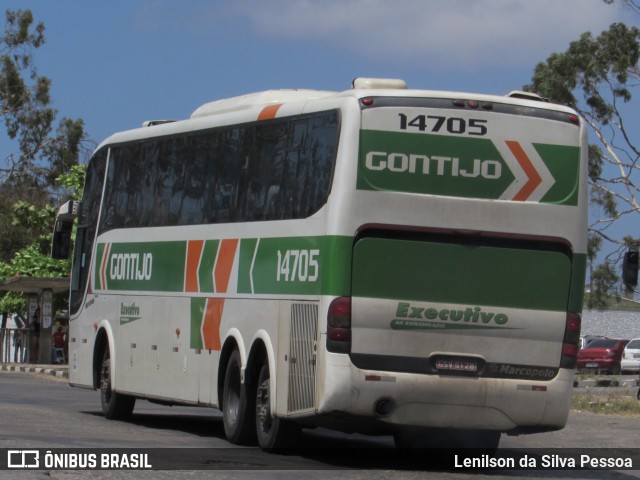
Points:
x=115 y=406
x=273 y=432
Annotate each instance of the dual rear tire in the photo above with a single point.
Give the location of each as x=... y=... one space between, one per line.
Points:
x=237 y=405
x=246 y=410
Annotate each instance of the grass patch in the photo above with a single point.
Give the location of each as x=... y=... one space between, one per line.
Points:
x=621 y=403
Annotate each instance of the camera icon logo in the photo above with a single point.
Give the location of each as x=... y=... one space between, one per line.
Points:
x=23 y=459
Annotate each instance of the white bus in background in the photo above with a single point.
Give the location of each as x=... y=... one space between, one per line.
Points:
x=380 y=260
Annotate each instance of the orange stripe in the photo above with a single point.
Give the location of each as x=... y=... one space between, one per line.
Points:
x=211 y=324
x=194 y=252
x=105 y=260
x=224 y=264
x=269 y=112
x=524 y=161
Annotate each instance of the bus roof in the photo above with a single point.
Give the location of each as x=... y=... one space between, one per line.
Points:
x=238 y=109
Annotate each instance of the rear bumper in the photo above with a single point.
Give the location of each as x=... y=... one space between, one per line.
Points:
x=598 y=364
x=630 y=365
x=400 y=399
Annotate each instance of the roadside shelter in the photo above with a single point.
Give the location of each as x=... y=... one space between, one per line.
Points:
x=39 y=293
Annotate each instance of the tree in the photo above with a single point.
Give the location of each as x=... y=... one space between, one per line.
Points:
x=604 y=281
x=29 y=189
x=34 y=260
x=25 y=106
x=44 y=151
x=632 y=5
x=596 y=76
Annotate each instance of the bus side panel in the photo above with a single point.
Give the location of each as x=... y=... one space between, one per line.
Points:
x=155 y=356
x=81 y=344
x=84 y=338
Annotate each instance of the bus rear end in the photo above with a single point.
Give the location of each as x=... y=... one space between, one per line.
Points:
x=468 y=259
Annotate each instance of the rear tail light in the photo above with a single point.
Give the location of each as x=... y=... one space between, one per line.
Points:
x=339 y=325
x=571 y=341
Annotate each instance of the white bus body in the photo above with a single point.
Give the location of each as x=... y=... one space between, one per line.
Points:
x=381 y=260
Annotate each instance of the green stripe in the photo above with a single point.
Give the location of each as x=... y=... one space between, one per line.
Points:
x=445 y=165
x=461 y=274
x=197 y=315
x=280 y=266
x=444 y=177
x=125 y=268
x=99 y=254
x=247 y=249
x=297 y=266
x=205 y=272
x=564 y=165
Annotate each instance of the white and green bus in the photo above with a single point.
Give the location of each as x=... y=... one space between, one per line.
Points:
x=380 y=260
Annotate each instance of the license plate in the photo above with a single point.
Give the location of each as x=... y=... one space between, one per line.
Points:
x=636 y=355
x=592 y=365
x=457 y=365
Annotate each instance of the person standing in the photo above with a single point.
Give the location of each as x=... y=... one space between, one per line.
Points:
x=34 y=327
x=17 y=346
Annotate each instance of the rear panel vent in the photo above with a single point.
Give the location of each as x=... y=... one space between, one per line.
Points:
x=302 y=358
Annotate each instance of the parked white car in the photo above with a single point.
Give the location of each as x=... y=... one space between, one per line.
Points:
x=631 y=356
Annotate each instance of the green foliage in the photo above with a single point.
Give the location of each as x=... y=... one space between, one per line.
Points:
x=73 y=181
x=64 y=150
x=34 y=260
x=594 y=243
x=25 y=106
x=587 y=65
x=603 y=282
x=14 y=237
x=29 y=262
x=618 y=403
x=596 y=76
x=46 y=169
x=24 y=95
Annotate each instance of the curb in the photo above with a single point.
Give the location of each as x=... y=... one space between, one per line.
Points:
x=54 y=371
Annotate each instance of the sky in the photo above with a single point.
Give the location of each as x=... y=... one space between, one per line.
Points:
x=116 y=64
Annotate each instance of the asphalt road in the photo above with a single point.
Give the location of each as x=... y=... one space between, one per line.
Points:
x=45 y=413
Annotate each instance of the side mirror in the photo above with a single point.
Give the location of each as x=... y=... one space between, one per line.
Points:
x=630 y=269
x=61 y=244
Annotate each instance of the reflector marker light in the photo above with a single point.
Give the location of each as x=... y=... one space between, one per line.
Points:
x=269 y=112
x=379 y=378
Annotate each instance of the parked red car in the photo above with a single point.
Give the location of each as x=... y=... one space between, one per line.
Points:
x=602 y=355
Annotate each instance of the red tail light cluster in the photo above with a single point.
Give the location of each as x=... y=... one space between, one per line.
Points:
x=339 y=325
x=571 y=341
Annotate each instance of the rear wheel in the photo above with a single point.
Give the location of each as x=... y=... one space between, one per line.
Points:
x=237 y=406
x=422 y=437
x=115 y=406
x=273 y=432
